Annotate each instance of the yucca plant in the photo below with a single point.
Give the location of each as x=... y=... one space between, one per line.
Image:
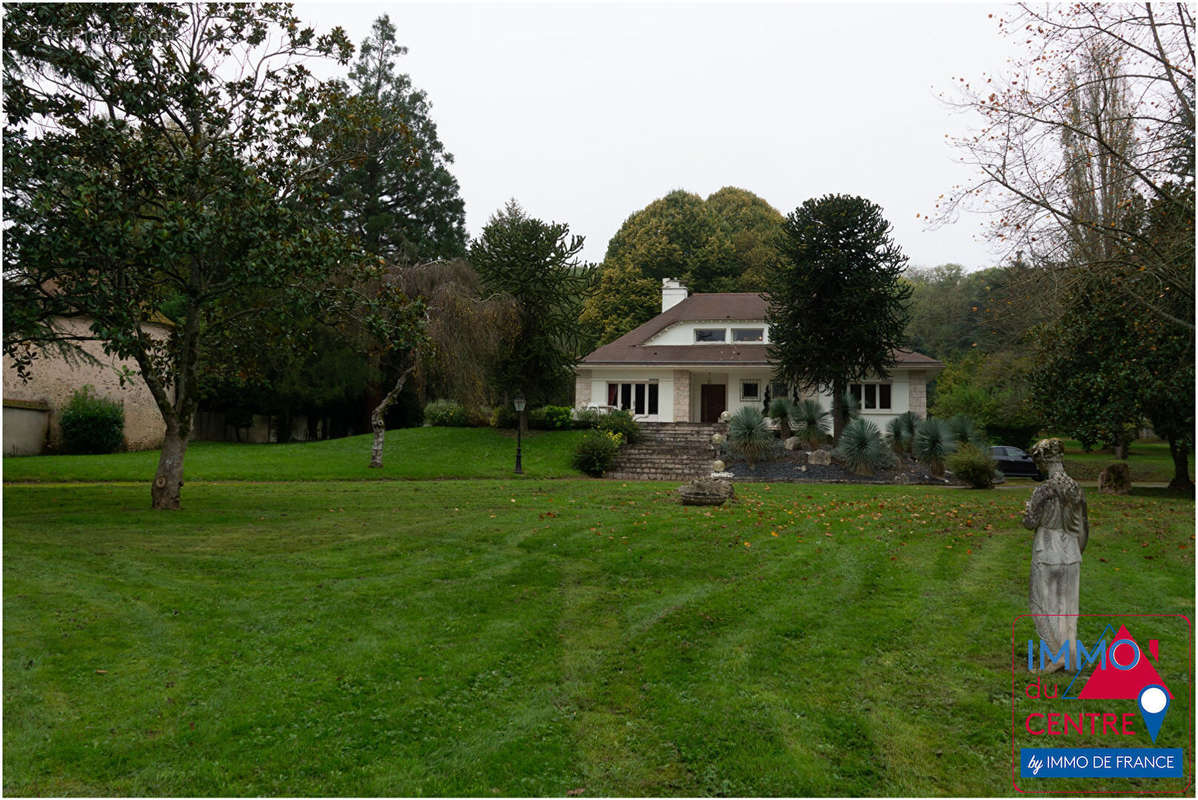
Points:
x=748 y=436
x=966 y=432
x=862 y=449
x=933 y=443
x=811 y=421
x=896 y=436
x=900 y=432
x=848 y=405
x=782 y=410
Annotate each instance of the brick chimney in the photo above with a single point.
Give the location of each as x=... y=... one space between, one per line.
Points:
x=672 y=293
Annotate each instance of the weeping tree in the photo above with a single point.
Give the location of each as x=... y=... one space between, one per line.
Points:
x=430 y=321
x=466 y=326
x=159 y=164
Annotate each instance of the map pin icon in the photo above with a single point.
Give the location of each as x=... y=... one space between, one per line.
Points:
x=1154 y=702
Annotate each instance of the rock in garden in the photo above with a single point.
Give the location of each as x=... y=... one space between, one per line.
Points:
x=821 y=458
x=1115 y=479
x=717 y=466
x=706 y=492
x=792 y=443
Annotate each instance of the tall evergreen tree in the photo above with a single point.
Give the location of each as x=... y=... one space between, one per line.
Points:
x=837 y=306
x=400 y=198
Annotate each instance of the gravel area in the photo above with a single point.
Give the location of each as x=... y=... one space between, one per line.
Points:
x=787 y=467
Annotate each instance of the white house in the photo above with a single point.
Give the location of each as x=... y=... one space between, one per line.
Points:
x=707 y=353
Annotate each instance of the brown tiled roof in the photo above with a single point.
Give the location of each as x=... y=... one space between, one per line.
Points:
x=631 y=348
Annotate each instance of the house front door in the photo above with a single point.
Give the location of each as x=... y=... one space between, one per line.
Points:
x=713 y=399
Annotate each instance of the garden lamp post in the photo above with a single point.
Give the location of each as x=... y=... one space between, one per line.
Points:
x=518 y=402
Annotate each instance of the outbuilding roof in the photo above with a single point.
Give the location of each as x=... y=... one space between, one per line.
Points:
x=631 y=348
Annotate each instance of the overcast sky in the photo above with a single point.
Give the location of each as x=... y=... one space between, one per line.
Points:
x=586 y=113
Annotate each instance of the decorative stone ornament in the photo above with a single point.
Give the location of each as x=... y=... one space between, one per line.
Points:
x=706 y=492
x=1115 y=479
x=1057 y=513
x=820 y=458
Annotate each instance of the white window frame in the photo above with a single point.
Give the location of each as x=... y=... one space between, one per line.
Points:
x=632 y=384
x=759 y=331
x=858 y=391
x=744 y=397
x=722 y=340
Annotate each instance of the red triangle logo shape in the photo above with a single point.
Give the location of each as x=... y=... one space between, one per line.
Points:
x=1113 y=683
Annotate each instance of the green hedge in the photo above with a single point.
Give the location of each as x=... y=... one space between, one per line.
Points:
x=92 y=424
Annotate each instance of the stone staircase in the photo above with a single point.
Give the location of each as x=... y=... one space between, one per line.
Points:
x=668 y=451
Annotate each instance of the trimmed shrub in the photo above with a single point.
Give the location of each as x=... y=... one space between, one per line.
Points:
x=747 y=435
x=933 y=443
x=972 y=466
x=92 y=424
x=595 y=452
x=621 y=422
x=811 y=421
x=586 y=418
x=551 y=418
x=862 y=449
x=782 y=410
x=445 y=414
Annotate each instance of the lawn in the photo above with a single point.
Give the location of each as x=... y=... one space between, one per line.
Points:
x=408 y=454
x=1149 y=462
x=536 y=637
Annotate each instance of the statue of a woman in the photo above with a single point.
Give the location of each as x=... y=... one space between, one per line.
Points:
x=1057 y=512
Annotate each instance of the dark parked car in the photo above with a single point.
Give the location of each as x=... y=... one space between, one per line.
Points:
x=1014 y=463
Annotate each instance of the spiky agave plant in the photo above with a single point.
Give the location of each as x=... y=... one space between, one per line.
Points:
x=782 y=410
x=933 y=443
x=811 y=421
x=748 y=436
x=862 y=449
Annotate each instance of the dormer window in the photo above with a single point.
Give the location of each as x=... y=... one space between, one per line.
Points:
x=710 y=335
x=748 y=334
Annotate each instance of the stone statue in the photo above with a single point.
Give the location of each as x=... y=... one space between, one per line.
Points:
x=1057 y=512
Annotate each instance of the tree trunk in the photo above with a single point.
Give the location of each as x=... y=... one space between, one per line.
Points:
x=1181 y=470
x=376 y=419
x=168 y=482
x=839 y=418
x=1122 y=444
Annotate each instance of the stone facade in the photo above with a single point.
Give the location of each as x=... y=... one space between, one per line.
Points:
x=53 y=381
x=918 y=394
x=682 y=395
x=582 y=388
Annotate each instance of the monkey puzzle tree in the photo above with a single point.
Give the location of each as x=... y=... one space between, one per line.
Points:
x=837 y=306
x=536 y=264
x=158 y=163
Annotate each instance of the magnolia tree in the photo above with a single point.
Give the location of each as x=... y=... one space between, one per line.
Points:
x=159 y=167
